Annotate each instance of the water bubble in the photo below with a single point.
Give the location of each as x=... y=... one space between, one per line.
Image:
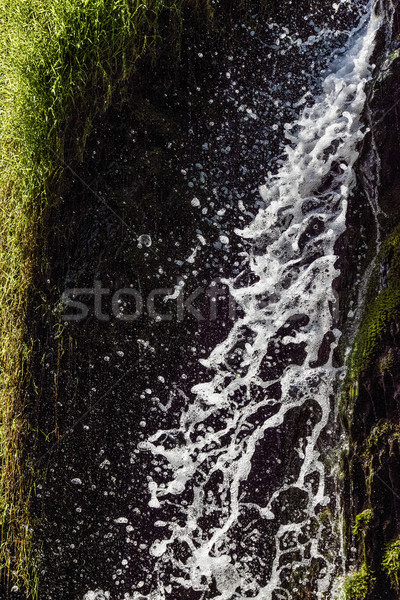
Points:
x=144 y=240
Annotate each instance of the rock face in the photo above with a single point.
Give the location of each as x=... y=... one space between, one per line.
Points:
x=130 y=216
x=371 y=400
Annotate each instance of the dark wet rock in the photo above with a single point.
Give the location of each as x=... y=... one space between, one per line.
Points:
x=371 y=400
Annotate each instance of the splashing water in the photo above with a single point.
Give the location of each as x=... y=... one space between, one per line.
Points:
x=242 y=488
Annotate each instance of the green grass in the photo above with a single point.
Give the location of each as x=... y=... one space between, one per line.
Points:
x=61 y=63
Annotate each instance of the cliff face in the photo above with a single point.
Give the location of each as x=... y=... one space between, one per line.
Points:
x=149 y=163
x=371 y=400
x=96 y=381
x=127 y=220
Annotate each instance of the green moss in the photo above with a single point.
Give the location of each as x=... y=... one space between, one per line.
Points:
x=386 y=363
x=391 y=563
x=358 y=585
x=362 y=521
x=380 y=309
x=382 y=436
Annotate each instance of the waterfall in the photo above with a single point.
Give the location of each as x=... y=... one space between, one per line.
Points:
x=241 y=493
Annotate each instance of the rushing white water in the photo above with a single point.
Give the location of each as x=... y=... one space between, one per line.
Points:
x=233 y=522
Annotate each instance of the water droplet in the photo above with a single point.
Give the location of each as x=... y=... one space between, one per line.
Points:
x=144 y=240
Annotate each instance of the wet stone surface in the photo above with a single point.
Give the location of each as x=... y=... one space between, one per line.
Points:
x=141 y=240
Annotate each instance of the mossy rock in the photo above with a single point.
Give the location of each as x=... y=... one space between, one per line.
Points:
x=381 y=308
x=358 y=585
x=391 y=563
x=362 y=521
x=382 y=437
